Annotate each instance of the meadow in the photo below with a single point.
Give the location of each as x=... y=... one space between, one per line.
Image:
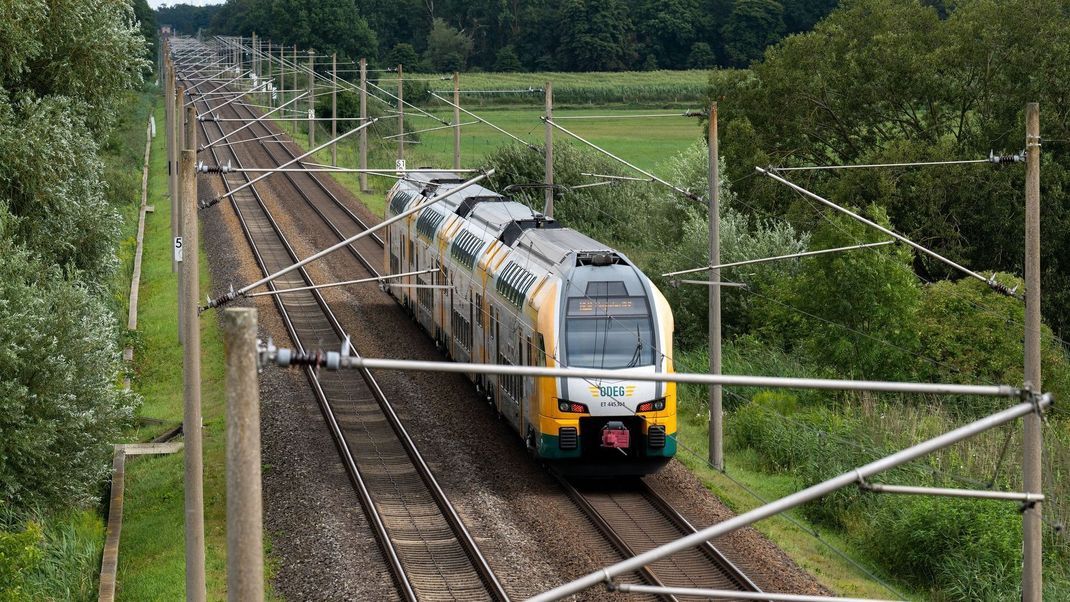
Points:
x=647 y=88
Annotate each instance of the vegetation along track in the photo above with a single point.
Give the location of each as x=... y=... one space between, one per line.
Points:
x=635 y=519
x=429 y=550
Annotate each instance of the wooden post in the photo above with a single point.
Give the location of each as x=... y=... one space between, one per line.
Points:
x=363 y=119
x=456 y=120
x=191 y=418
x=716 y=433
x=245 y=541
x=334 y=108
x=311 y=99
x=548 y=168
x=1033 y=538
x=401 y=114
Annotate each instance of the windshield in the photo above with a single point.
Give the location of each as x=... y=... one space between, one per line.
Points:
x=609 y=332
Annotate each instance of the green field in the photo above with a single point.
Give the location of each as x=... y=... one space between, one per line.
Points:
x=645 y=142
x=647 y=88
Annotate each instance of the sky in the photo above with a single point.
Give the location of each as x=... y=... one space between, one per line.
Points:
x=158 y=3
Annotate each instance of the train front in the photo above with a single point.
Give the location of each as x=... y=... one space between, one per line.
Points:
x=612 y=317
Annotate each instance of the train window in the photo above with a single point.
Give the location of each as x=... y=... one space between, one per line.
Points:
x=462 y=331
x=514 y=282
x=511 y=384
x=610 y=332
x=399 y=201
x=540 y=351
x=428 y=222
x=613 y=288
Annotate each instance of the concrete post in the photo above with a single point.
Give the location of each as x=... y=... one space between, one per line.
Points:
x=1033 y=538
x=311 y=99
x=172 y=164
x=401 y=113
x=270 y=74
x=181 y=116
x=716 y=433
x=334 y=108
x=191 y=419
x=456 y=120
x=363 y=119
x=293 y=131
x=548 y=168
x=245 y=561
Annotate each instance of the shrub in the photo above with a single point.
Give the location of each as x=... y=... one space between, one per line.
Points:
x=60 y=406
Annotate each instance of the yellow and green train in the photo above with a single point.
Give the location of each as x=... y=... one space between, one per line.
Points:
x=514 y=287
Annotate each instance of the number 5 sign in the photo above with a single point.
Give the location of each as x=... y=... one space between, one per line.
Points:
x=178 y=249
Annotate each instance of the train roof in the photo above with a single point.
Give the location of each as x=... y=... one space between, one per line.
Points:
x=490 y=215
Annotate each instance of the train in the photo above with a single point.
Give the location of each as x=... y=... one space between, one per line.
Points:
x=505 y=284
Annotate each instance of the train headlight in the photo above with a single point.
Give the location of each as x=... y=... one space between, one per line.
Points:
x=571 y=407
x=651 y=406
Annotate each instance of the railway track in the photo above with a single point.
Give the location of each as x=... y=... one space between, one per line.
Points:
x=635 y=519
x=430 y=552
x=631 y=516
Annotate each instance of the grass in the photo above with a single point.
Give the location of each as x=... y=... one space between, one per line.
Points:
x=644 y=142
x=658 y=88
x=830 y=569
x=151 y=556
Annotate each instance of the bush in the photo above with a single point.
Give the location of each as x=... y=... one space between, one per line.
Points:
x=60 y=406
x=20 y=553
x=970 y=549
x=854 y=311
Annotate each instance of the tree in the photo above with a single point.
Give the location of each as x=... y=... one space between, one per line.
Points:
x=853 y=311
x=701 y=56
x=447 y=48
x=753 y=25
x=891 y=81
x=666 y=29
x=64 y=65
x=506 y=60
x=594 y=36
x=60 y=408
x=402 y=54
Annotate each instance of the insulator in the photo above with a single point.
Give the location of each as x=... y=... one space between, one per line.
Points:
x=1005 y=159
x=1001 y=288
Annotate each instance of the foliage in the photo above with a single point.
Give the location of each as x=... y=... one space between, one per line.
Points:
x=854 y=311
x=51 y=181
x=40 y=40
x=327 y=26
x=54 y=558
x=66 y=66
x=752 y=25
x=447 y=48
x=701 y=56
x=507 y=61
x=59 y=366
x=402 y=54
x=146 y=21
x=963 y=330
x=187 y=19
x=20 y=552
x=593 y=34
x=895 y=82
x=545 y=35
